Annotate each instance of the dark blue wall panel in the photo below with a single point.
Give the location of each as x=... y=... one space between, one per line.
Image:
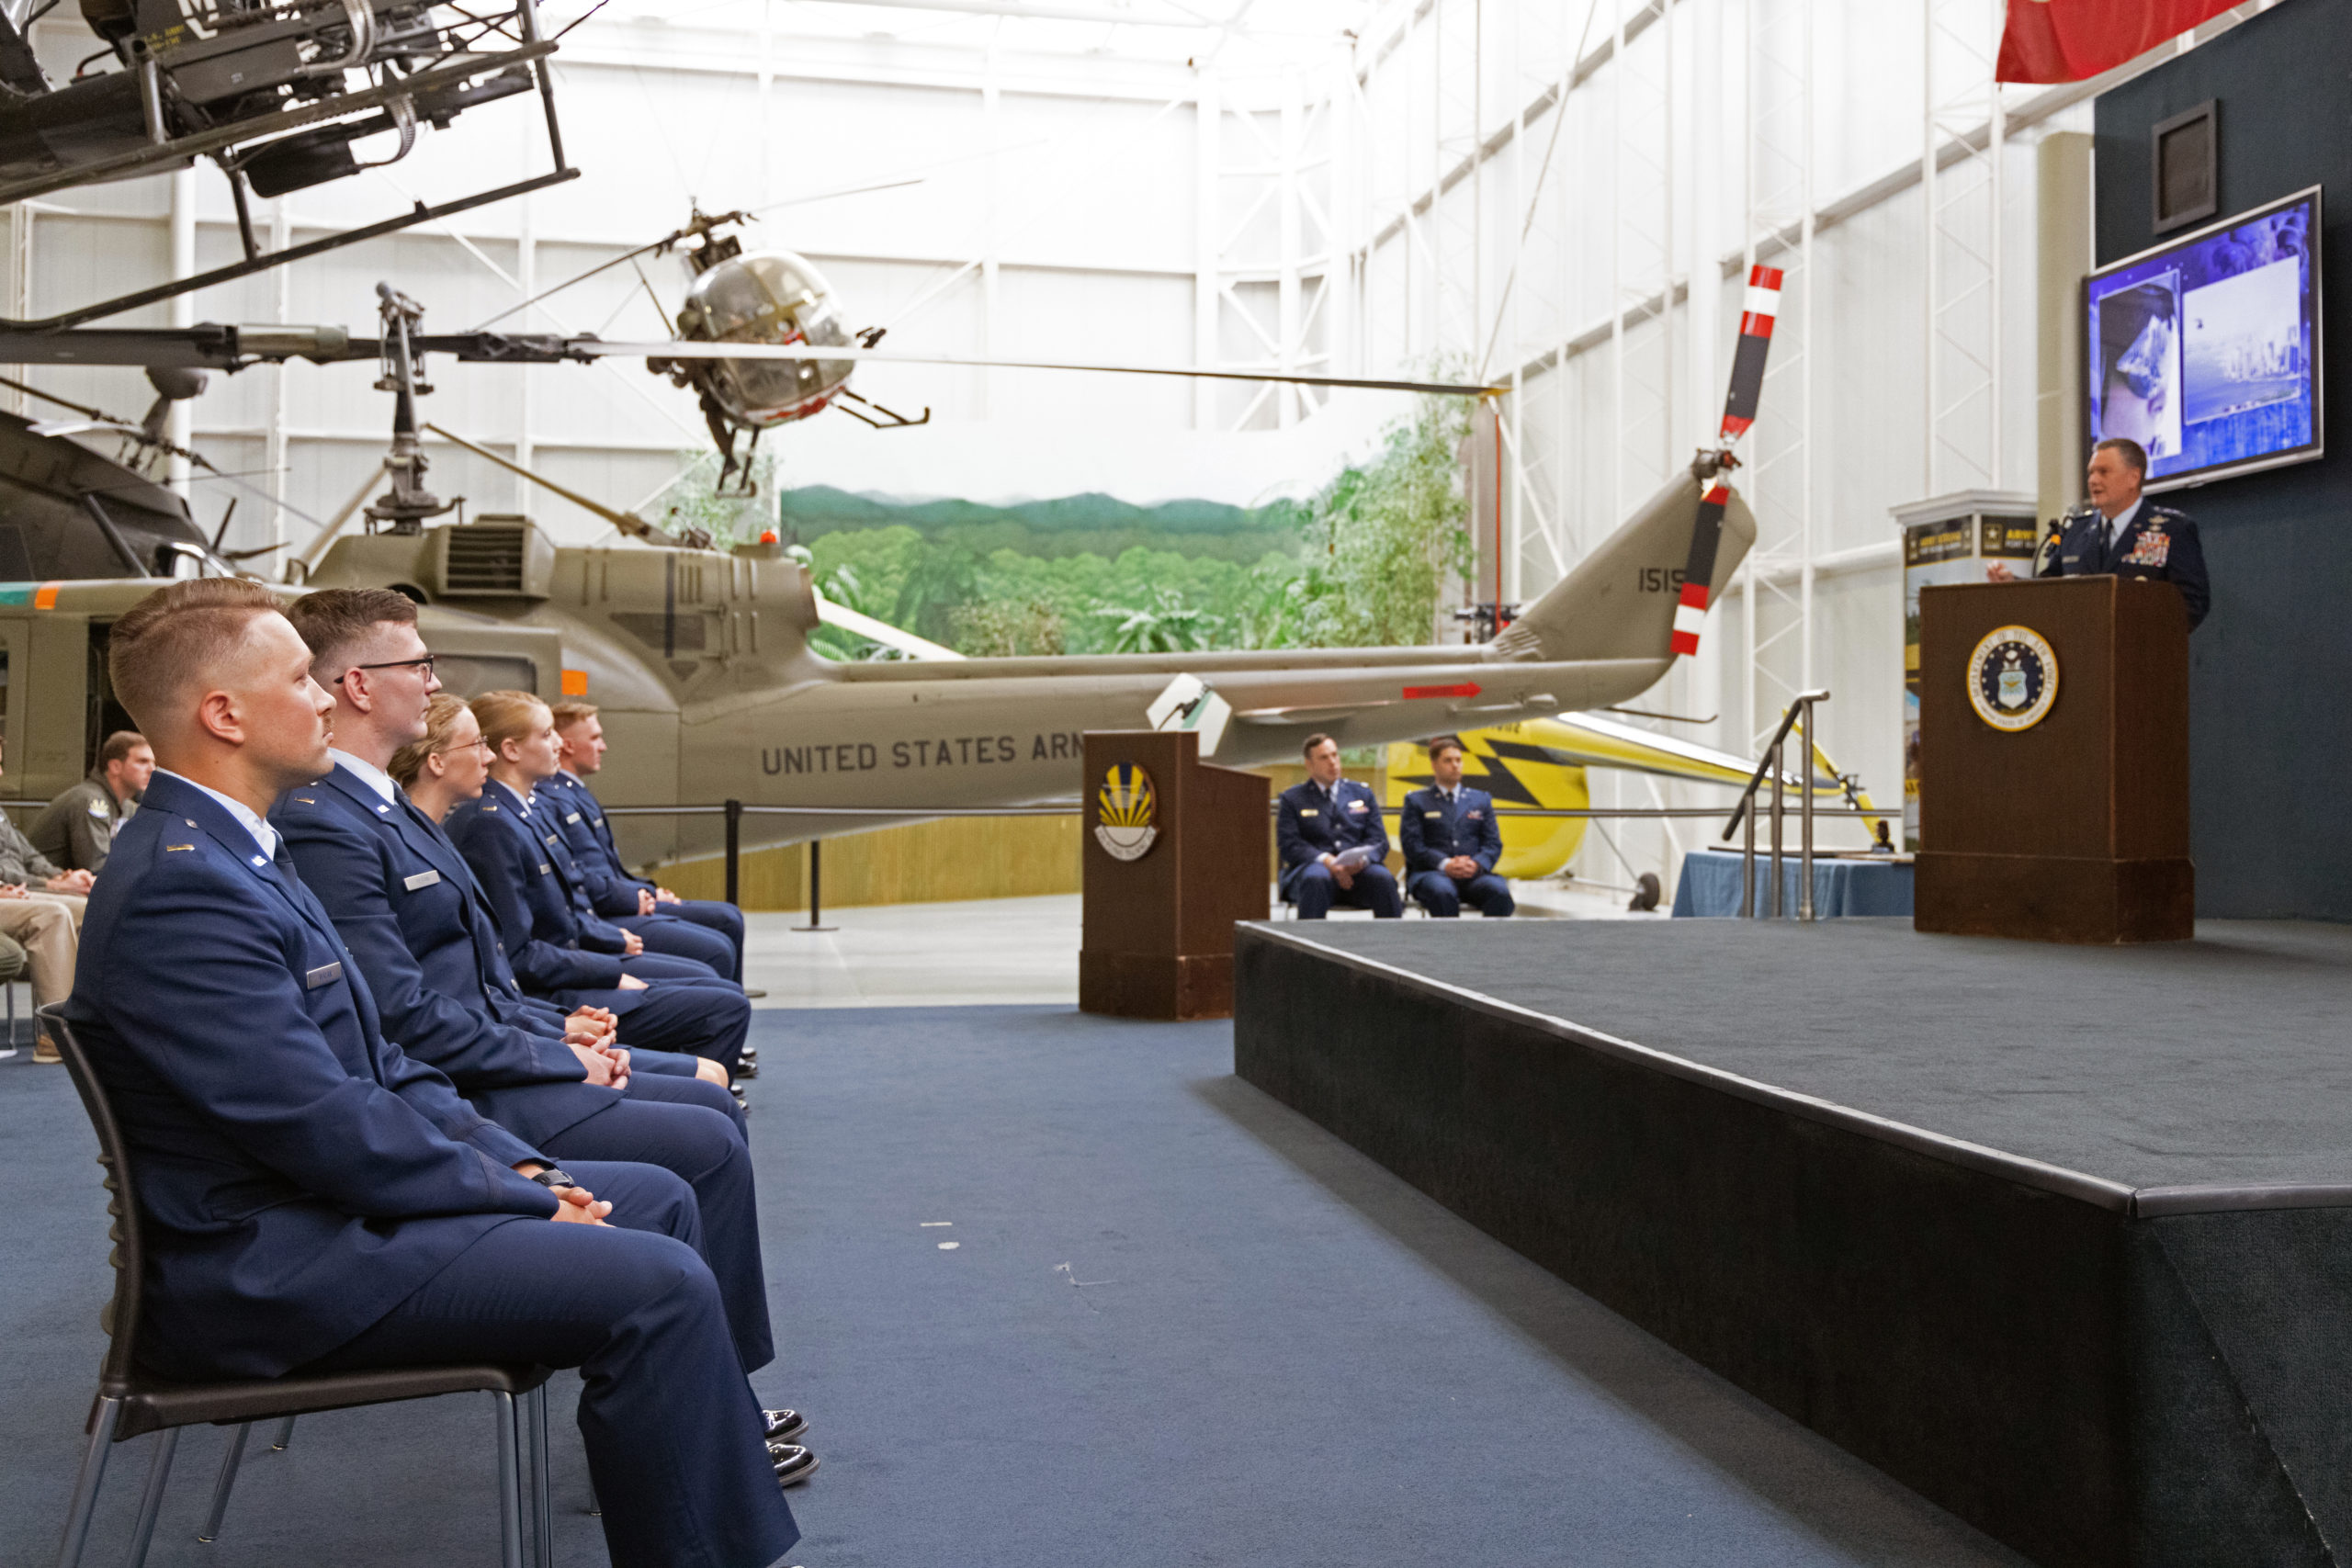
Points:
x=2272 y=670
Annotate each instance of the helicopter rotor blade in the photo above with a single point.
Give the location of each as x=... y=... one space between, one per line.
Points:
x=586 y=348
x=1762 y=305
x=676 y=235
x=627 y=521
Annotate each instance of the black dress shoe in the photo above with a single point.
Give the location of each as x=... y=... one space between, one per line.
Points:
x=794 y=1464
x=785 y=1426
x=745 y=1068
x=742 y=1100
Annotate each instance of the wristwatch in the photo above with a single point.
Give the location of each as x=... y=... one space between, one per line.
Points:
x=551 y=1177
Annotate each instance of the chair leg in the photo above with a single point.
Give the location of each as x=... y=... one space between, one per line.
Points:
x=542 y=1510
x=595 y=1505
x=150 y=1502
x=220 y=1488
x=284 y=1436
x=85 y=1484
x=510 y=1485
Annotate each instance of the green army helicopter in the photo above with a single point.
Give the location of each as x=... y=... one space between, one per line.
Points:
x=700 y=661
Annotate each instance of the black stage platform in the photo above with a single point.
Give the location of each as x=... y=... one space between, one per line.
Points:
x=2059 y=1237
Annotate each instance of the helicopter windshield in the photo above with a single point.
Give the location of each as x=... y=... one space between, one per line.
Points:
x=770 y=296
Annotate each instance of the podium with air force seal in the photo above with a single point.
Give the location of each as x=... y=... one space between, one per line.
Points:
x=1175 y=853
x=2053 y=762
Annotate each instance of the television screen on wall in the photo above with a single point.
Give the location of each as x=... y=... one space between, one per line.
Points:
x=2205 y=350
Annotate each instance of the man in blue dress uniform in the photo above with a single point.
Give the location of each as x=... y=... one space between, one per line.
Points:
x=581 y=817
x=316 y=1200
x=405 y=902
x=1451 y=841
x=2125 y=535
x=1329 y=835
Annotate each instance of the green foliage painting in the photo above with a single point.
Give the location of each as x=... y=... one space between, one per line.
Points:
x=1367 y=562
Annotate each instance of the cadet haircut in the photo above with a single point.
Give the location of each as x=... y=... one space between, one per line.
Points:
x=335 y=620
x=119 y=745
x=507 y=715
x=1313 y=741
x=440 y=729
x=568 y=714
x=2133 y=453
x=1445 y=743
x=176 y=638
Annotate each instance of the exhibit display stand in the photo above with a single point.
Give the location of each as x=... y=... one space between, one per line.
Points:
x=1176 y=851
x=2053 y=719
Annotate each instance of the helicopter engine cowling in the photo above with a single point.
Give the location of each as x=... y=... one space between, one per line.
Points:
x=767 y=297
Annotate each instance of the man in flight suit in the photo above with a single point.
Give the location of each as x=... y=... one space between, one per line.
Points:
x=1320 y=823
x=78 y=827
x=317 y=1200
x=1451 y=841
x=2125 y=534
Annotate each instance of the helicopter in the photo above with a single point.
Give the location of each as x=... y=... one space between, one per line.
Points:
x=700 y=660
x=273 y=93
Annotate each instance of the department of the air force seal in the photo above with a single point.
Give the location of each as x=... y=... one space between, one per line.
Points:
x=2012 y=678
x=1125 y=832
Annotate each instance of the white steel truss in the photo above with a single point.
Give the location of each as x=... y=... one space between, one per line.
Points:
x=1271 y=287
x=1960 y=201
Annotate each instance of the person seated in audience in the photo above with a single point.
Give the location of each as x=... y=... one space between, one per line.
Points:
x=1450 y=841
x=41 y=908
x=579 y=816
x=557 y=949
x=78 y=827
x=316 y=1202
x=405 y=902
x=1331 y=842
x=448 y=765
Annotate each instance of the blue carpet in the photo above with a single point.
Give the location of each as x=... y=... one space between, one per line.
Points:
x=1179 y=1324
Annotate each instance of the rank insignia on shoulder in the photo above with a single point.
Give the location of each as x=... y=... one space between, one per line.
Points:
x=299 y=800
x=97 y=809
x=170 y=848
x=490 y=806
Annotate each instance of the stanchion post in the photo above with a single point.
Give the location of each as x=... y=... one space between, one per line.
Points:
x=1780 y=897
x=734 y=850
x=815 y=888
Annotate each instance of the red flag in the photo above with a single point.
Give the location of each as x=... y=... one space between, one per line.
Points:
x=2066 y=41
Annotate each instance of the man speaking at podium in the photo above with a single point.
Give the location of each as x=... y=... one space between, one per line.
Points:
x=2125 y=534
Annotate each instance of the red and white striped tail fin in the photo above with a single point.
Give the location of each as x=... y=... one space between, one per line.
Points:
x=1761 y=305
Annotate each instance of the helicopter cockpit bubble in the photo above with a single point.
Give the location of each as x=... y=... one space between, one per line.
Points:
x=769 y=296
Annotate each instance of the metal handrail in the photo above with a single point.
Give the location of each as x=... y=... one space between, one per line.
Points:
x=1768 y=761
x=1771 y=764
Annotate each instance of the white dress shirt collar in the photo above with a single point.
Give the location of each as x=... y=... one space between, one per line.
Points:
x=369 y=773
x=2122 y=520
x=522 y=802
x=263 y=834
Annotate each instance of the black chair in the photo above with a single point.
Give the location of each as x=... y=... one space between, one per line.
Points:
x=133 y=1401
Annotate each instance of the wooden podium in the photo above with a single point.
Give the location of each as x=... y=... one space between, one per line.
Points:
x=2073 y=826
x=1176 y=851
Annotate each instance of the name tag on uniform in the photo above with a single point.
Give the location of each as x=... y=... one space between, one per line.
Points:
x=421 y=879
x=1309 y=811
x=548 y=840
x=1434 y=816
x=571 y=816
x=323 y=974
x=544 y=868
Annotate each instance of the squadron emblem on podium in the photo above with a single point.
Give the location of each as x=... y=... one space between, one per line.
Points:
x=1126 y=800
x=2012 y=678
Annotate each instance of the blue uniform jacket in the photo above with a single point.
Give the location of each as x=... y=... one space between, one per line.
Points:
x=2160 y=544
x=406 y=903
x=591 y=837
x=285 y=1152
x=1431 y=832
x=1309 y=827
x=537 y=922
x=576 y=815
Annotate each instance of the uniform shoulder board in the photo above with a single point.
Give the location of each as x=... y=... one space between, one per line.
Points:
x=172 y=847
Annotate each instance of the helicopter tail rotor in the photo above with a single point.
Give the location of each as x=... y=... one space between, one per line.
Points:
x=1763 y=304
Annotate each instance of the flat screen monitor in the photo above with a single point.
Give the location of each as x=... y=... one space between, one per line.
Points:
x=2205 y=350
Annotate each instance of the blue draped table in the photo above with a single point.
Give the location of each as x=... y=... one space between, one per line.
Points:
x=1710 y=886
